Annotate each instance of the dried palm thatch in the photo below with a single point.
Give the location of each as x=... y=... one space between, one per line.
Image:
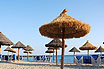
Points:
x=73 y=27
x=100 y=49
x=64 y=26
x=19 y=45
x=55 y=43
x=28 y=52
x=50 y=50
x=74 y=49
x=13 y=51
x=4 y=40
x=88 y=46
x=28 y=48
x=8 y=49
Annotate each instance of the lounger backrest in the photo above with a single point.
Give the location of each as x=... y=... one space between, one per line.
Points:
x=78 y=60
x=96 y=62
x=87 y=59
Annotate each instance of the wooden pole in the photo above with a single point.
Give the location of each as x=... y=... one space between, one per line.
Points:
x=88 y=52
x=56 y=55
x=27 y=56
x=53 y=55
x=8 y=53
x=0 y=49
x=74 y=56
x=18 y=54
x=49 y=57
x=63 y=47
x=101 y=54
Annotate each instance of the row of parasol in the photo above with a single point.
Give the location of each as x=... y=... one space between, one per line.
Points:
x=5 y=41
x=57 y=44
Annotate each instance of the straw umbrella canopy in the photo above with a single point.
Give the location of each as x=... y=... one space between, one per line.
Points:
x=28 y=48
x=50 y=50
x=55 y=43
x=8 y=49
x=18 y=45
x=100 y=49
x=4 y=41
x=13 y=51
x=28 y=52
x=74 y=49
x=63 y=27
x=88 y=46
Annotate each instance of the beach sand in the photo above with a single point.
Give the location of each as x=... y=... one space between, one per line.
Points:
x=43 y=65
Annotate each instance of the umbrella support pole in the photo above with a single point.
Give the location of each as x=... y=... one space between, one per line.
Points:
x=101 y=54
x=63 y=47
x=18 y=54
x=88 y=52
x=27 y=56
x=50 y=57
x=56 y=55
x=74 y=56
x=0 y=49
x=62 y=57
x=8 y=53
x=53 y=56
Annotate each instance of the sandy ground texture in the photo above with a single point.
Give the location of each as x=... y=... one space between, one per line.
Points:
x=42 y=65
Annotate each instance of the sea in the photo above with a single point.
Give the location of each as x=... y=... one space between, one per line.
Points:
x=67 y=58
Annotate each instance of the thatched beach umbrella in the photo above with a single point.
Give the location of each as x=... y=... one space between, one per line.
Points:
x=18 y=45
x=74 y=49
x=8 y=49
x=100 y=49
x=50 y=50
x=28 y=53
x=4 y=41
x=88 y=46
x=63 y=27
x=55 y=43
x=28 y=48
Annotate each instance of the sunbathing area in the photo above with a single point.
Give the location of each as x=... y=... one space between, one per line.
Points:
x=51 y=34
x=43 y=65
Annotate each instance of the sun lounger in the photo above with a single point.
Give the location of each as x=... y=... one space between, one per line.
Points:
x=96 y=61
x=78 y=60
x=102 y=59
x=37 y=58
x=14 y=57
x=0 y=57
x=87 y=59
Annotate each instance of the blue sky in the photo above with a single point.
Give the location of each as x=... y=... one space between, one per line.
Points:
x=20 y=21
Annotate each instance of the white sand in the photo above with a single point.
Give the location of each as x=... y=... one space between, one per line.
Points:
x=42 y=65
